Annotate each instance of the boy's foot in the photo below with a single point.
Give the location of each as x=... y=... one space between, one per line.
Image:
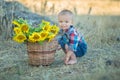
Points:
x=70 y=58
x=72 y=62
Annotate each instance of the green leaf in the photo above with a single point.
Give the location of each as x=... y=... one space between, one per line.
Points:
x=41 y=25
x=41 y=42
x=31 y=29
x=37 y=29
x=27 y=34
x=20 y=20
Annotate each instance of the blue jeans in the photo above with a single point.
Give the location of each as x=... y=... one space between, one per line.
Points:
x=81 y=49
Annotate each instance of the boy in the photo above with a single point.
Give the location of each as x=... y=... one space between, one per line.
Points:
x=72 y=43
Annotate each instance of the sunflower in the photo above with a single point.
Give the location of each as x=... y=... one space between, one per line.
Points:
x=24 y=32
x=16 y=23
x=46 y=28
x=20 y=38
x=35 y=37
x=24 y=28
x=17 y=30
x=43 y=35
x=50 y=37
x=54 y=29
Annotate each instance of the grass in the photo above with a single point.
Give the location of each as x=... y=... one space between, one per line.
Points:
x=100 y=63
x=93 y=66
x=14 y=65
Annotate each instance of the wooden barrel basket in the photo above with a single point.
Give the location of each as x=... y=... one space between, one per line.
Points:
x=41 y=54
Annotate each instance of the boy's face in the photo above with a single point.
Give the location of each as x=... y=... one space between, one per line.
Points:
x=65 y=21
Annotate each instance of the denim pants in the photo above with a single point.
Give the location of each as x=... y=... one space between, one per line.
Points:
x=81 y=49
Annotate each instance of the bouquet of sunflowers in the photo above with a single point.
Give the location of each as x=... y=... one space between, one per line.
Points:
x=24 y=32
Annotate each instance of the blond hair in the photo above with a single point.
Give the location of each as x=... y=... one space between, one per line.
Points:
x=66 y=12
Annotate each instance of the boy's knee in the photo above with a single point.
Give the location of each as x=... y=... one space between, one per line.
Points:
x=81 y=51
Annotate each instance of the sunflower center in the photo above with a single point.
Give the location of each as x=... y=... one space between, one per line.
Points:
x=25 y=27
x=21 y=37
x=43 y=34
x=53 y=31
x=36 y=37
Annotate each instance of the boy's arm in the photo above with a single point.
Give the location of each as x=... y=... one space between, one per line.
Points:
x=73 y=42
